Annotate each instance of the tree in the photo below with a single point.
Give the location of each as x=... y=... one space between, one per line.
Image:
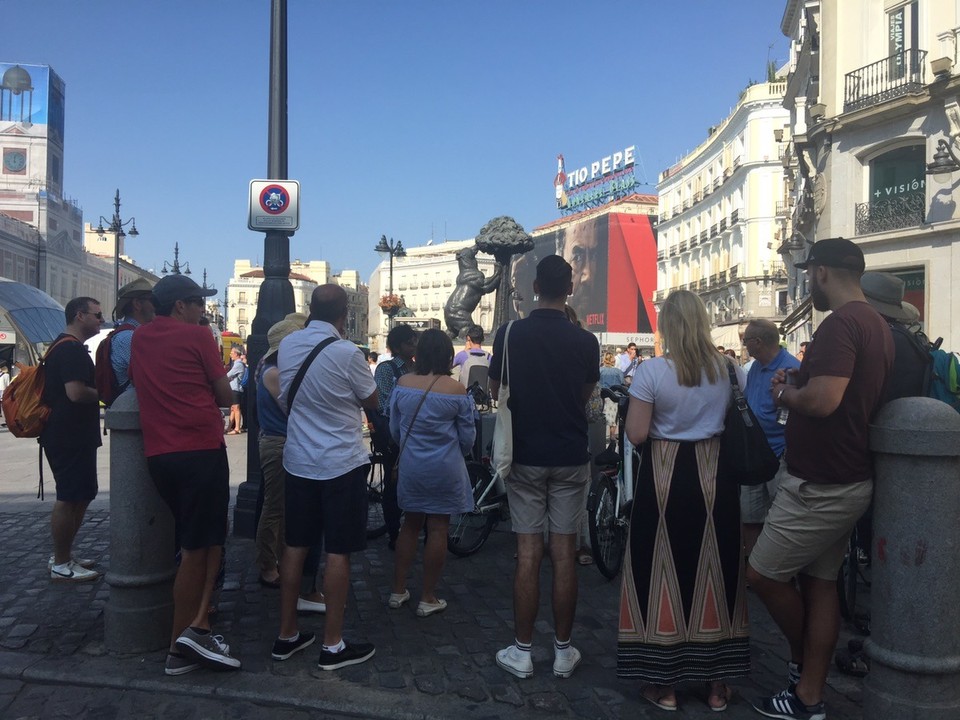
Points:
x=503 y=237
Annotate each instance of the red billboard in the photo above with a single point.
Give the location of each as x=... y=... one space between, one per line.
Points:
x=614 y=260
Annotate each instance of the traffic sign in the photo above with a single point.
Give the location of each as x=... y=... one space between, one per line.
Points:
x=274 y=205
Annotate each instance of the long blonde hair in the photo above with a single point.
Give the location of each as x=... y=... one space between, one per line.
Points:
x=685 y=332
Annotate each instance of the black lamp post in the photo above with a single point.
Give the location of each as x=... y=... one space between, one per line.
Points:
x=276 y=292
x=393 y=250
x=115 y=227
x=945 y=162
x=175 y=268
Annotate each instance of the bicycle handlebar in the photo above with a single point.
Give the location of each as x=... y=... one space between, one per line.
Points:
x=617 y=393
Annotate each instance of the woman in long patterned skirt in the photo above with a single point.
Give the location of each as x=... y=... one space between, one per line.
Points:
x=683 y=605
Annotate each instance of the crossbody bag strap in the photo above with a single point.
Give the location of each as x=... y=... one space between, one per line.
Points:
x=415 y=413
x=739 y=400
x=506 y=355
x=301 y=373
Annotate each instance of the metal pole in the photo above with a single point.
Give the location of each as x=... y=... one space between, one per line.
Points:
x=276 y=292
x=117 y=228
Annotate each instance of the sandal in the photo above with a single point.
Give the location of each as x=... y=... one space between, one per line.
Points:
x=723 y=696
x=663 y=697
x=855 y=664
x=584 y=557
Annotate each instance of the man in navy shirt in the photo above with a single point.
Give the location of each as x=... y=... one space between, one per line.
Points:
x=762 y=341
x=550 y=475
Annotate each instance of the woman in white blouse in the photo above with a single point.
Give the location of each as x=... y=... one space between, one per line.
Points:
x=683 y=612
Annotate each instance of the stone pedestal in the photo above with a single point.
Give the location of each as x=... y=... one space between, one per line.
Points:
x=139 y=613
x=915 y=642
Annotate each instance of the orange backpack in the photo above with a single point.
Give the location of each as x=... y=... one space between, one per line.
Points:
x=23 y=408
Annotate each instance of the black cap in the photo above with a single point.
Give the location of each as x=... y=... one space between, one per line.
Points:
x=178 y=287
x=837 y=253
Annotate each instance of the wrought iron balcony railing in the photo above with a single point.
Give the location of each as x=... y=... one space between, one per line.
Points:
x=890 y=213
x=900 y=74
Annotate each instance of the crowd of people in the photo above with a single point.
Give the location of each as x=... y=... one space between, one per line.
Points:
x=683 y=608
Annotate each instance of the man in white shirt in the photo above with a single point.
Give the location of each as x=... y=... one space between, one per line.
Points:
x=327 y=466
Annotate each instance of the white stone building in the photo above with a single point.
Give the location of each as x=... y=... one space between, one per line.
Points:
x=718 y=210
x=873 y=90
x=424 y=278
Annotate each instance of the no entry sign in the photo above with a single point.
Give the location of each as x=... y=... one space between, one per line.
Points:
x=274 y=205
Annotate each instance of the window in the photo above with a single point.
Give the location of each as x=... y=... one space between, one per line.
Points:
x=242 y=297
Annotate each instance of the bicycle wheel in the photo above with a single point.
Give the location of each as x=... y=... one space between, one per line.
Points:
x=376 y=525
x=608 y=537
x=847 y=579
x=469 y=531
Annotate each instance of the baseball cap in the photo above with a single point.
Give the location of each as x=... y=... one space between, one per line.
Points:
x=178 y=287
x=835 y=252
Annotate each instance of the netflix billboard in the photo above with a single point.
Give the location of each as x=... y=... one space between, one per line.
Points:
x=614 y=261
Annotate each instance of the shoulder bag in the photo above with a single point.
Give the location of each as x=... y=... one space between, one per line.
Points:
x=502 y=451
x=745 y=454
x=395 y=473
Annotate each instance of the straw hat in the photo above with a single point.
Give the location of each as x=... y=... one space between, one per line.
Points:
x=291 y=323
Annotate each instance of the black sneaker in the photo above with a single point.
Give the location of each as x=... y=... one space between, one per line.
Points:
x=785 y=705
x=285 y=649
x=208 y=648
x=352 y=654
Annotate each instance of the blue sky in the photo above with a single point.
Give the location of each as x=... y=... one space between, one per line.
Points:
x=411 y=119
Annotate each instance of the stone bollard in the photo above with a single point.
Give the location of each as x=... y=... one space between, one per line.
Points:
x=914 y=647
x=139 y=613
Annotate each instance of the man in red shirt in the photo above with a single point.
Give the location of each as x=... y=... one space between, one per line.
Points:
x=181 y=386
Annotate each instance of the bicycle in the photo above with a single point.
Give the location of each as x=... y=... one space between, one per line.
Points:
x=611 y=495
x=469 y=531
x=854 y=573
x=376 y=524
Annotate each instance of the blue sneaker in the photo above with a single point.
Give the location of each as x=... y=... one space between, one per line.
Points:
x=785 y=705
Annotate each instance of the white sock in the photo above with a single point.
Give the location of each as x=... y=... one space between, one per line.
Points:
x=339 y=647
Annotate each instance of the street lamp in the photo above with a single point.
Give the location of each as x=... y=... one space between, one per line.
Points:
x=945 y=162
x=393 y=250
x=115 y=227
x=175 y=268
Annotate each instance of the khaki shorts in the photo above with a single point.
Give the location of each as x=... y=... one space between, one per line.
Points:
x=547 y=497
x=808 y=527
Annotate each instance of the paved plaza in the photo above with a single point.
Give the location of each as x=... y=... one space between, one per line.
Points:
x=53 y=662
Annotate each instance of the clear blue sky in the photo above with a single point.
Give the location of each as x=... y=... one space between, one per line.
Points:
x=411 y=119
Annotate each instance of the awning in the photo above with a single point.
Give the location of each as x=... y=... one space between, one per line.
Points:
x=726 y=335
x=33 y=313
x=800 y=315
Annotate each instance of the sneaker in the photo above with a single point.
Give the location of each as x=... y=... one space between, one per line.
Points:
x=207 y=648
x=304 y=605
x=352 y=654
x=84 y=563
x=425 y=609
x=565 y=661
x=785 y=705
x=179 y=665
x=793 y=674
x=284 y=649
x=72 y=572
x=515 y=661
x=398 y=599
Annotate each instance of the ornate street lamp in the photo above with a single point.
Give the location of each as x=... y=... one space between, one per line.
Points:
x=115 y=227
x=393 y=250
x=945 y=162
x=174 y=269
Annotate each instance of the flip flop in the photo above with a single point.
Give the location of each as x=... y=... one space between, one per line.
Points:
x=584 y=558
x=654 y=695
x=724 y=695
x=273 y=584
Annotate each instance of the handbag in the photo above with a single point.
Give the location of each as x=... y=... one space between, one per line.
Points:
x=745 y=453
x=594 y=407
x=395 y=472
x=501 y=452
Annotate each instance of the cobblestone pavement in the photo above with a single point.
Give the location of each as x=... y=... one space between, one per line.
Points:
x=53 y=662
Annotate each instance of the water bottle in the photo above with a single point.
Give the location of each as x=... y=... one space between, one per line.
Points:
x=784 y=412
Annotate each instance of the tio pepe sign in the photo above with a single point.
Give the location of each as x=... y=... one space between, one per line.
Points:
x=274 y=205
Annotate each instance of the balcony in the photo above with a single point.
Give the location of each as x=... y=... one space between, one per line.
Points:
x=722 y=277
x=659 y=294
x=723 y=224
x=734 y=271
x=676 y=210
x=703 y=236
x=783 y=209
x=713 y=231
x=702 y=284
x=697 y=196
x=716 y=183
x=734 y=217
x=895 y=76
x=737 y=162
x=890 y=213
x=682 y=247
x=661 y=254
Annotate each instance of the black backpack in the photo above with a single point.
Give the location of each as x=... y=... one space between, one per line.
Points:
x=912 y=364
x=379 y=423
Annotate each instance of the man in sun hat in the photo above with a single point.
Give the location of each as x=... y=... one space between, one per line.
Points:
x=911 y=363
x=134 y=308
x=826 y=474
x=181 y=386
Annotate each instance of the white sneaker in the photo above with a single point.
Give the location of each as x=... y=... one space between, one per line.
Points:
x=71 y=572
x=565 y=661
x=516 y=661
x=88 y=564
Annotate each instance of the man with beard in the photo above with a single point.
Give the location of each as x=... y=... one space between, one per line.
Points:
x=826 y=477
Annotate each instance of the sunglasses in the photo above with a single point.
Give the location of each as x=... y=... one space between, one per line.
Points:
x=97 y=315
x=194 y=301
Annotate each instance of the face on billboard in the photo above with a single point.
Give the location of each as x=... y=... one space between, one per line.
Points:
x=584 y=246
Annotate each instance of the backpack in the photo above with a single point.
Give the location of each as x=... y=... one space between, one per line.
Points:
x=108 y=388
x=245 y=378
x=24 y=410
x=922 y=369
x=379 y=423
x=945 y=376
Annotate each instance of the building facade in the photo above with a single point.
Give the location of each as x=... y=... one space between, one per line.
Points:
x=718 y=210
x=873 y=91
x=424 y=278
x=243 y=293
